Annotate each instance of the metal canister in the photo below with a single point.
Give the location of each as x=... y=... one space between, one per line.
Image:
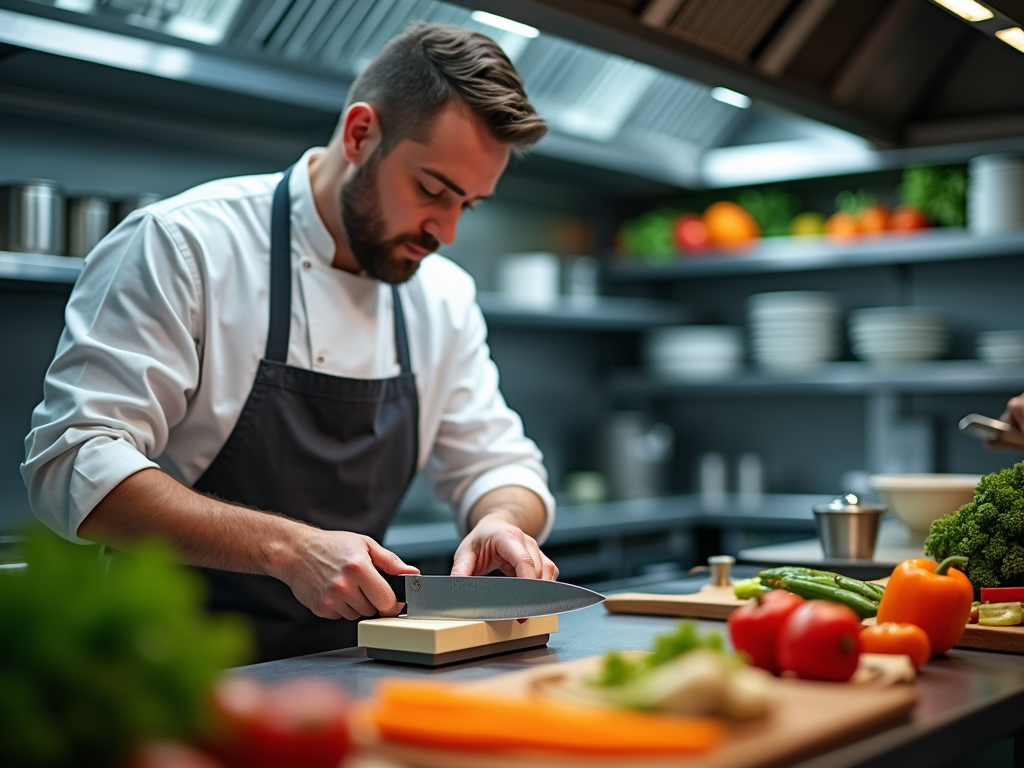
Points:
x=88 y=222
x=32 y=217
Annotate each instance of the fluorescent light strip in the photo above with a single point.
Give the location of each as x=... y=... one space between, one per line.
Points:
x=1013 y=36
x=967 y=9
x=506 y=25
x=728 y=96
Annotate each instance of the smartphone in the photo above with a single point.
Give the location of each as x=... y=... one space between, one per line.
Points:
x=990 y=429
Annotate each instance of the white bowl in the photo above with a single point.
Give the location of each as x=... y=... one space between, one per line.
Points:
x=917 y=500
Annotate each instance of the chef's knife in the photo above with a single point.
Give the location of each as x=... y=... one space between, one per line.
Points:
x=991 y=429
x=486 y=598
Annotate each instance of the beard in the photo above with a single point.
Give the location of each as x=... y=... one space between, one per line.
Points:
x=364 y=224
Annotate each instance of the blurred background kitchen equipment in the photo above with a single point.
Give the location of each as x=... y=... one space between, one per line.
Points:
x=897 y=335
x=694 y=352
x=987 y=429
x=1000 y=347
x=750 y=480
x=995 y=194
x=529 y=279
x=580 y=278
x=711 y=481
x=88 y=222
x=127 y=205
x=793 y=330
x=32 y=217
x=635 y=455
x=918 y=499
x=585 y=487
x=848 y=528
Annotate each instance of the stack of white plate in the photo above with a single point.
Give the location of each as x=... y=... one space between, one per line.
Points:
x=793 y=330
x=896 y=335
x=1001 y=347
x=694 y=352
x=995 y=195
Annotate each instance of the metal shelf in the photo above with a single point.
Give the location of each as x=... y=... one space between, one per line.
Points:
x=942 y=376
x=790 y=254
x=607 y=313
x=40 y=268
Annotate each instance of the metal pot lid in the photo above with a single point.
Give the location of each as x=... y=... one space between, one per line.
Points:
x=849 y=502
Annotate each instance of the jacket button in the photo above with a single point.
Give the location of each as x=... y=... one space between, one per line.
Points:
x=307 y=264
x=319 y=359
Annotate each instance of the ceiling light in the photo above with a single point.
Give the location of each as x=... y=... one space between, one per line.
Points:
x=1013 y=36
x=506 y=25
x=967 y=9
x=727 y=96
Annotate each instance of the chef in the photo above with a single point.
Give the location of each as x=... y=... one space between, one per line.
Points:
x=255 y=369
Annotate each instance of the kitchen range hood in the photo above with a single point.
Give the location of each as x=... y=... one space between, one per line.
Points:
x=695 y=93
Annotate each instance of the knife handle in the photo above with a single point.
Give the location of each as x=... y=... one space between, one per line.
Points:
x=397 y=584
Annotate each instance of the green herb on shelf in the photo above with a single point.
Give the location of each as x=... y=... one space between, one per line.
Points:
x=100 y=655
x=650 y=237
x=939 y=193
x=854 y=203
x=773 y=209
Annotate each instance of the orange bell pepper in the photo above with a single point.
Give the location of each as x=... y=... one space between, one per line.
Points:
x=934 y=597
x=903 y=639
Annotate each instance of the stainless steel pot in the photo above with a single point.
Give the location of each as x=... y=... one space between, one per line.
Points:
x=32 y=217
x=88 y=222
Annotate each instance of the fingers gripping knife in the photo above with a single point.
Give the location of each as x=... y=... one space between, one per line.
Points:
x=450 y=619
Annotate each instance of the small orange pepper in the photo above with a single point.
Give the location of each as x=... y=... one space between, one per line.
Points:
x=934 y=597
x=905 y=639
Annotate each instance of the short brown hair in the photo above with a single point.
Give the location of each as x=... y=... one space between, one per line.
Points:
x=420 y=71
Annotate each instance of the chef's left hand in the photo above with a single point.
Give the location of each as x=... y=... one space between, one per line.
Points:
x=495 y=543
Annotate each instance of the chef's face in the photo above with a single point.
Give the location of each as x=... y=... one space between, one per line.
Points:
x=400 y=207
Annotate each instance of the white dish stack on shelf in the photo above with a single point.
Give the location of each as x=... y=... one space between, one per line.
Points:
x=793 y=331
x=694 y=352
x=897 y=335
x=995 y=194
x=1001 y=347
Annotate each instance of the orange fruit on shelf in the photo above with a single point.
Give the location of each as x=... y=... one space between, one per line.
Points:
x=873 y=220
x=730 y=227
x=842 y=226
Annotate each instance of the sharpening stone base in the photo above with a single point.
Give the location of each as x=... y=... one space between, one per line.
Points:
x=455 y=657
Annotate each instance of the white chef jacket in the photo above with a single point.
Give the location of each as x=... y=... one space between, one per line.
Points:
x=168 y=322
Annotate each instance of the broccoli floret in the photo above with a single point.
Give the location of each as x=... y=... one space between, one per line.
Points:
x=989 y=531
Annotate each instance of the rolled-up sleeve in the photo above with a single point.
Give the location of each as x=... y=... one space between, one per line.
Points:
x=481 y=444
x=126 y=365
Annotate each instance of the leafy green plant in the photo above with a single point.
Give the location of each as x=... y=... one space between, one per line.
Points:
x=939 y=193
x=617 y=669
x=98 y=655
x=773 y=209
x=650 y=236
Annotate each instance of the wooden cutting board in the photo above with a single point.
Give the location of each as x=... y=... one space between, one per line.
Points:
x=807 y=719
x=1005 y=639
x=709 y=603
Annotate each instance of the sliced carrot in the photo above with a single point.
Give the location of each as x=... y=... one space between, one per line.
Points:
x=442 y=716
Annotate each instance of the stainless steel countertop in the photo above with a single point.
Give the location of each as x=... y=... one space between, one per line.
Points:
x=966 y=700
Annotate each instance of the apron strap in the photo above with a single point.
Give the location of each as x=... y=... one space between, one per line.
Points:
x=401 y=334
x=280 y=272
x=281 y=284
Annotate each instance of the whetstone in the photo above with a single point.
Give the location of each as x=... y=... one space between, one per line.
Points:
x=431 y=642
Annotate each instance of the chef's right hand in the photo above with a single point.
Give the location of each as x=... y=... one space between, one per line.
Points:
x=335 y=575
x=1014 y=416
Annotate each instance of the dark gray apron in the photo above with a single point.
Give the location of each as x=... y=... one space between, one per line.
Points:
x=334 y=452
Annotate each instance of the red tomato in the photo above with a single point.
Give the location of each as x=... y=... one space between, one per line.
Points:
x=906 y=218
x=691 y=233
x=299 y=722
x=754 y=627
x=820 y=641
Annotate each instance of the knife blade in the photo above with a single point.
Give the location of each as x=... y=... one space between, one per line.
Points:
x=487 y=598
